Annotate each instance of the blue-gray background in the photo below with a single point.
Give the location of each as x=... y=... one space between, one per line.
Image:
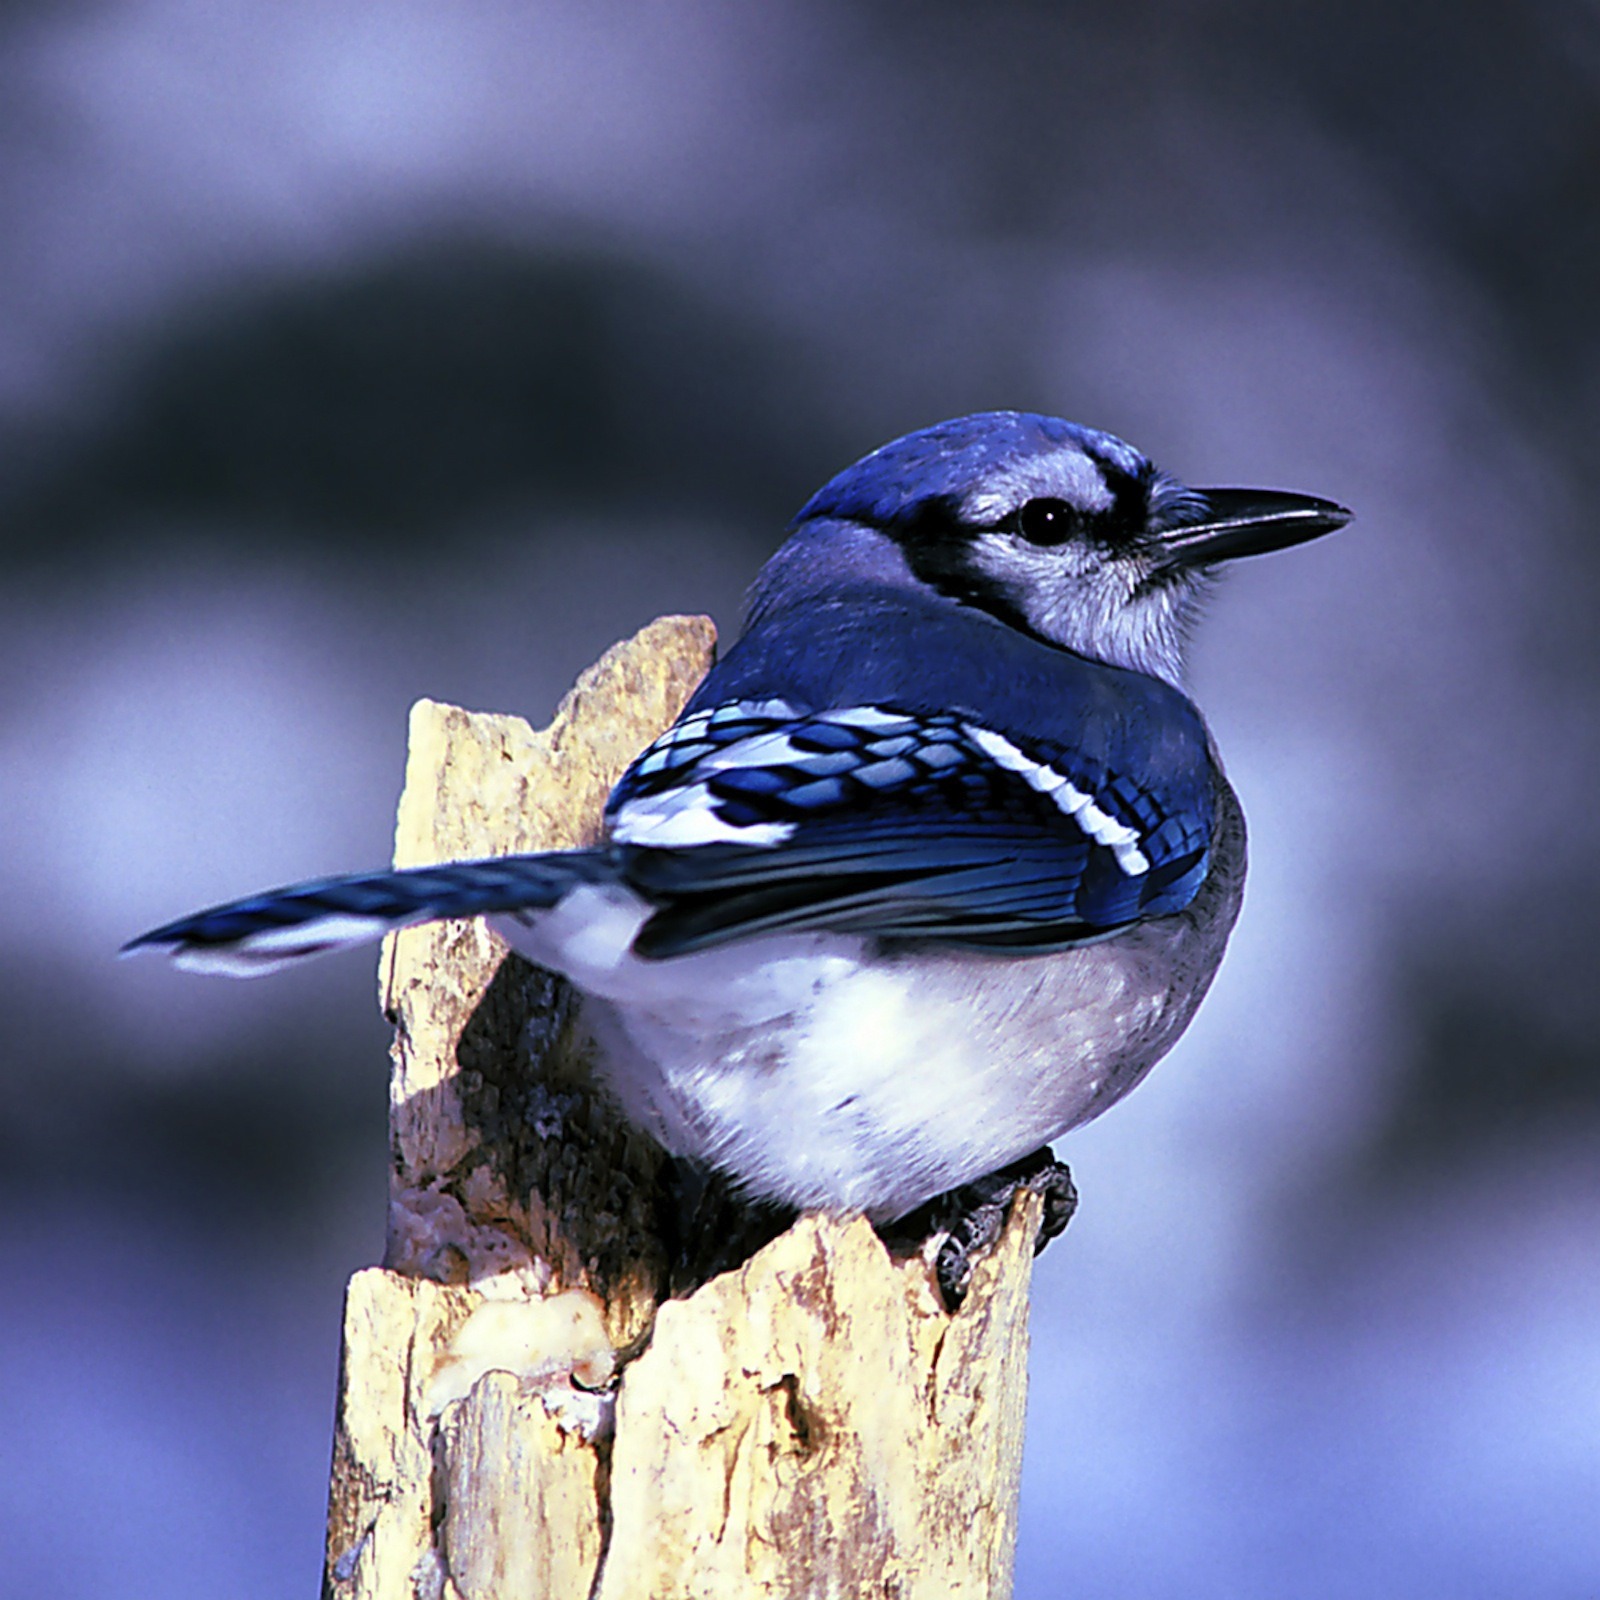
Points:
x=356 y=351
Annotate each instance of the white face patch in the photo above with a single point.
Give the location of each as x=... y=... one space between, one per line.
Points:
x=1088 y=598
x=1090 y=601
x=1066 y=474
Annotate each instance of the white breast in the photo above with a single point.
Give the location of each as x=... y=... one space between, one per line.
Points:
x=824 y=1080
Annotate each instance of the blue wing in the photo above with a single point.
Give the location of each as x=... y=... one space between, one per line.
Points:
x=752 y=817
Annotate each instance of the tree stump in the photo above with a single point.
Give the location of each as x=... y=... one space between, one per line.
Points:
x=811 y=1424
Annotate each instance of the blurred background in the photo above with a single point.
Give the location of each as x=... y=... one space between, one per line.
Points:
x=355 y=352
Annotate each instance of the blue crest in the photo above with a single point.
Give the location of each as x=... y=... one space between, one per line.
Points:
x=950 y=457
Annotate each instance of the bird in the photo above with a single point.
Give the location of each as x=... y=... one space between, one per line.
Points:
x=937 y=862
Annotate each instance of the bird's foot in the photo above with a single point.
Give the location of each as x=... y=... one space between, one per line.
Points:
x=712 y=1227
x=961 y=1226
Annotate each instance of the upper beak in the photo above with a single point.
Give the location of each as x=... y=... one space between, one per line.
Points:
x=1248 y=522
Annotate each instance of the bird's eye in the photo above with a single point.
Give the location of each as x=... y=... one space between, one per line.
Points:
x=1047 y=521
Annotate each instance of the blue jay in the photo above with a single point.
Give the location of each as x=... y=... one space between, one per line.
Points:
x=938 y=861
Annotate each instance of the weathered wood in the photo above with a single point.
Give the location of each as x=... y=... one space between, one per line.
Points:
x=817 y=1425
x=812 y=1424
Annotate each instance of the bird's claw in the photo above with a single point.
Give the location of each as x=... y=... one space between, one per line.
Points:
x=963 y=1225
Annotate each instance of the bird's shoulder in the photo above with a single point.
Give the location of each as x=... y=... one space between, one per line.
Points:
x=966 y=790
x=929 y=659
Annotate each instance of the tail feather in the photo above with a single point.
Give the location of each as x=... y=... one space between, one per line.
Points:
x=248 y=938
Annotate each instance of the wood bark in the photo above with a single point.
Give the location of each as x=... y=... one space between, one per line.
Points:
x=812 y=1424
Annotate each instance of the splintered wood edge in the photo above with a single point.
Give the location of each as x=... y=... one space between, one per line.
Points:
x=476 y=785
x=891 y=1432
x=482 y=785
x=854 y=1436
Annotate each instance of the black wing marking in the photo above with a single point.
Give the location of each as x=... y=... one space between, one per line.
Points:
x=751 y=818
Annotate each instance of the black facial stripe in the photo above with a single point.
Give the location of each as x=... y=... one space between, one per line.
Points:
x=938 y=544
x=1124 y=522
x=938 y=549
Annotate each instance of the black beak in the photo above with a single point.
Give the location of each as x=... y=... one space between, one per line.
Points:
x=1248 y=522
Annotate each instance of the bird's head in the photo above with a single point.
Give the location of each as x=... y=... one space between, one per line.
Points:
x=1059 y=530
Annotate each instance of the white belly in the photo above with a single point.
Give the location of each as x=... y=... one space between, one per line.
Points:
x=818 y=1079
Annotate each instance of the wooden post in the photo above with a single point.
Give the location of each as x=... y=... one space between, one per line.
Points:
x=813 y=1424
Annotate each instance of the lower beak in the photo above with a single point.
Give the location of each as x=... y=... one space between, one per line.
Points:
x=1248 y=522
